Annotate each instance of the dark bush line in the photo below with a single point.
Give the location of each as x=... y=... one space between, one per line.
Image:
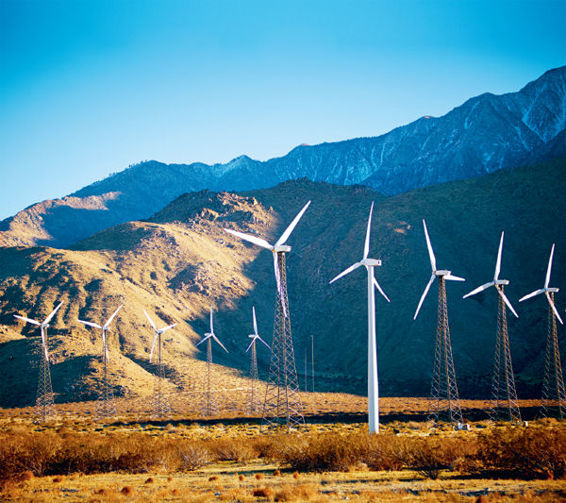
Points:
x=534 y=452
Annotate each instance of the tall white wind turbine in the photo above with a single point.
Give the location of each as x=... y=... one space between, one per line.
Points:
x=104 y=328
x=44 y=404
x=373 y=381
x=278 y=247
x=252 y=405
x=157 y=333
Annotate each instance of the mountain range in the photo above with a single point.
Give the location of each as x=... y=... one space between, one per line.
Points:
x=485 y=134
x=180 y=260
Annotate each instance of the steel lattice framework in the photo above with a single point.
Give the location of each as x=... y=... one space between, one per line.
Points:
x=282 y=408
x=210 y=405
x=553 y=393
x=160 y=401
x=106 y=407
x=504 y=404
x=253 y=402
x=444 y=398
x=44 y=404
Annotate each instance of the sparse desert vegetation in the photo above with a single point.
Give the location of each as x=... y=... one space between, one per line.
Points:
x=78 y=459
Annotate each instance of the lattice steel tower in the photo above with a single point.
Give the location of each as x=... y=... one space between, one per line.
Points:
x=444 y=396
x=44 y=404
x=282 y=408
x=553 y=392
x=504 y=405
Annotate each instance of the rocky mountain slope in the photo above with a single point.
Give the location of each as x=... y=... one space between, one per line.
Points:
x=485 y=134
x=180 y=261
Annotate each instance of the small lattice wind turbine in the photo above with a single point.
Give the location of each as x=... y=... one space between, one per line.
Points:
x=553 y=392
x=44 y=404
x=210 y=402
x=504 y=394
x=373 y=381
x=160 y=403
x=444 y=389
x=106 y=399
x=253 y=403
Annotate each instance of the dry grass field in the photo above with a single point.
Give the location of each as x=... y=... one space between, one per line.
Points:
x=188 y=458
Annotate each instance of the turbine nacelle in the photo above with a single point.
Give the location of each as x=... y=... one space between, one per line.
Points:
x=370 y=262
x=281 y=248
x=501 y=282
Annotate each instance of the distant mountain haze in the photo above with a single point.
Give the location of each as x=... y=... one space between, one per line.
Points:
x=485 y=134
x=180 y=260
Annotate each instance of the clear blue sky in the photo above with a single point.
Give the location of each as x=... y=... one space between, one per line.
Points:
x=89 y=87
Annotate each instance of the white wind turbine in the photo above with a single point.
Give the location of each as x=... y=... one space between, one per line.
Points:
x=373 y=382
x=504 y=394
x=43 y=326
x=106 y=408
x=278 y=247
x=104 y=329
x=442 y=273
x=160 y=401
x=444 y=389
x=44 y=404
x=253 y=364
x=548 y=291
x=210 y=403
x=497 y=283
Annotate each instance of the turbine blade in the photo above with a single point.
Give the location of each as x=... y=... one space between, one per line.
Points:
x=251 y=344
x=554 y=308
x=498 y=263
x=479 y=289
x=376 y=284
x=255 y=321
x=168 y=327
x=90 y=324
x=532 y=294
x=44 y=342
x=107 y=355
x=549 y=268
x=202 y=340
x=264 y=342
x=252 y=239
x=366 y=243
x=211 y=322
x=346 y=271
x=107 y=324
x=292 y=225
x=427 y=288
x=218 y=341
x=278 y=282
x=150 y=320
x=153 y=346
x=50 y=317
x=27 y=320
x=450 y=277
x=506 y=300
x=429 y=246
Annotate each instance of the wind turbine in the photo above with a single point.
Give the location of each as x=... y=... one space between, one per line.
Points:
x=210 y=403
x=444 y=389
x=252 y=402
x=373 y=381
x=44 y=404
x=160 y=402
x=503 y=382
x=282 y=407
x=106 y=408
x=553 y=392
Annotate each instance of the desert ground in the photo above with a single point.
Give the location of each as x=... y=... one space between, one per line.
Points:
x=228 y=457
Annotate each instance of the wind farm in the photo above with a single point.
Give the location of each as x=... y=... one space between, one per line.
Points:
x=256 y=252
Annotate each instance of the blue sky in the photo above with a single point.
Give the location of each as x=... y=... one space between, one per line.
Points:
x=89 y=87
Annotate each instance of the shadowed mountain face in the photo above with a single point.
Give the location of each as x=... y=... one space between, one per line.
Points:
x=180 y=261
x=485 y=134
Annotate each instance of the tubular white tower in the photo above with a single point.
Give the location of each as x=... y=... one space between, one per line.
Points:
x=373 y=381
